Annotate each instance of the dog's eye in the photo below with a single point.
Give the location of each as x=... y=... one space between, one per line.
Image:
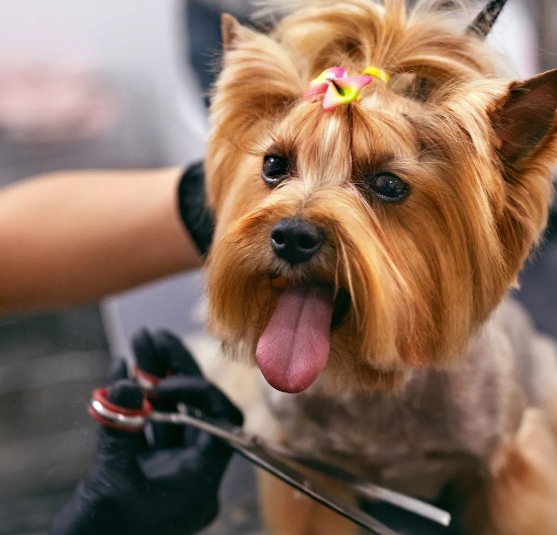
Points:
x=389 y=187
x=275 y=170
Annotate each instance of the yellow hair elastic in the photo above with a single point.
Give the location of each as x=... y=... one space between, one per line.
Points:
x=377 y=73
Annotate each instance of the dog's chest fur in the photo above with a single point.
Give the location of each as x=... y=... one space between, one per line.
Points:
x=441 y=421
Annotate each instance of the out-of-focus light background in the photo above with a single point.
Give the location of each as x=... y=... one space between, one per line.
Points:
x=120 y=84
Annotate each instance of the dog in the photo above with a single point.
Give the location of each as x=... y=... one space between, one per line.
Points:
x=378 y=181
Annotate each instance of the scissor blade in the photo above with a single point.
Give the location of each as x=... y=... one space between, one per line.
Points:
x=262 y=458
x=262 y=452
x=231 y=434
x=369 y=490
x=407 y=503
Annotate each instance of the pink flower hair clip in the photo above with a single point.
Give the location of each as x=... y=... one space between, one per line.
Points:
x=340 y=89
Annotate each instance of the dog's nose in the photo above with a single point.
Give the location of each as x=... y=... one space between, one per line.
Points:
x=296 y=241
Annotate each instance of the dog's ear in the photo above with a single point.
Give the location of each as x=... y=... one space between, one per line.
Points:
x=258 y=78
x=231 y=31
x=525 y=118
x=258 y=84
x=525 y=123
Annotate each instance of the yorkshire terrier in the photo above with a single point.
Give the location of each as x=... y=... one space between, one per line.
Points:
x=378 y=182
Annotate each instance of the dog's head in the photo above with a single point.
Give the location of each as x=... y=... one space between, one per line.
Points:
x=376 y=237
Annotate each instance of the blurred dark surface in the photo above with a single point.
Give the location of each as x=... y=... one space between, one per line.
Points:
x=538 y=283
x=48 y=365
x=203 y=41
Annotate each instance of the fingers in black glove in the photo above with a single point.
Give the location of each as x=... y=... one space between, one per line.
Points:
x=208 y=451
x=179 y=452
x=159 y=355
x=198 y=393
x=117 y=449
x=162 y=354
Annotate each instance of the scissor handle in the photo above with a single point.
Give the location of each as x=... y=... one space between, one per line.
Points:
x=146 y=381
x=110 y=415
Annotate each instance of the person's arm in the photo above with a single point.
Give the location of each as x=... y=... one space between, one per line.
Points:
x=75 y=237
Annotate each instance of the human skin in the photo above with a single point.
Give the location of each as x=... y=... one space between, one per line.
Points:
x=75 y=237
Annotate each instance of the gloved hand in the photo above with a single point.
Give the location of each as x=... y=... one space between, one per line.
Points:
x=169 y=487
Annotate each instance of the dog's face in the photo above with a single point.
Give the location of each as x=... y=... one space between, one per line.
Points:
x=376 y=237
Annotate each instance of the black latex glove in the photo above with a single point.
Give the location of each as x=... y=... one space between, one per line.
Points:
x=197 y=218
x=169 y=487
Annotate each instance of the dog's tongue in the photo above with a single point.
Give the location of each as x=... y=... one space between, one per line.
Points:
x=294 y=347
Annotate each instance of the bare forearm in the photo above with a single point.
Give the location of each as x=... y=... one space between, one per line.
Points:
x=76 y=237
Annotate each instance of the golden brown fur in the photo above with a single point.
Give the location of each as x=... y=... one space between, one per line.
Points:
x=423 y=274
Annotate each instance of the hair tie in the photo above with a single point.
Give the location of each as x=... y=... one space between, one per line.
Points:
x=340 y=89
x=374 y=72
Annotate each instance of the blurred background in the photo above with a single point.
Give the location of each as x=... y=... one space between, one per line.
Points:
x=105 y=84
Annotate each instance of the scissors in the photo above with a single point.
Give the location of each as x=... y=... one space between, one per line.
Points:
x=277 y=460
